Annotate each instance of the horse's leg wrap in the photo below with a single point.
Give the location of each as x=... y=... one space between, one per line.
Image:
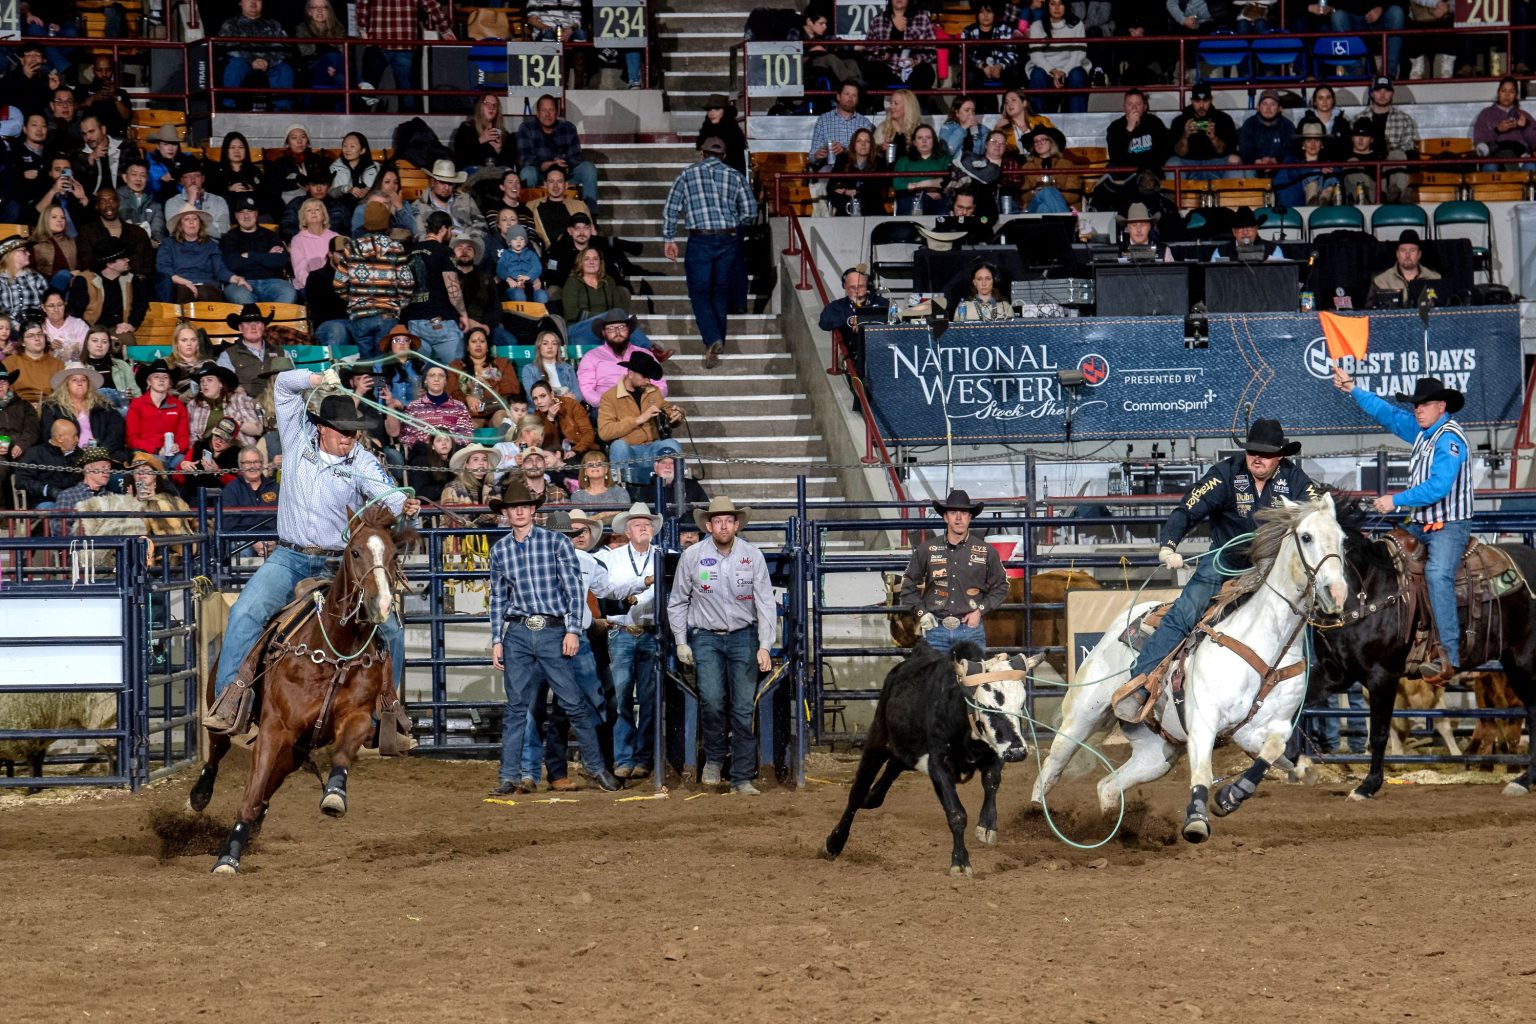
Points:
x=334 y=802
x=1197 y=826
x=234 y=848
x=1231 y=796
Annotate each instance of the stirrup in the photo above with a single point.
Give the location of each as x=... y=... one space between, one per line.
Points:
x=1438 y=671
x=230 y=714
x=1130 y=701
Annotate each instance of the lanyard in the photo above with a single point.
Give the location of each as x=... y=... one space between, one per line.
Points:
x=629 y=550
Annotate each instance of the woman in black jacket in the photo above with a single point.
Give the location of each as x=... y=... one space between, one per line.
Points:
x=76 y=393
x=720 y=123
x=481 y=141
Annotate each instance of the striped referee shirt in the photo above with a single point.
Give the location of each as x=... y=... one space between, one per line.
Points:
x=711 y=196
x=1439 y=470
x=320 y=489
x=538 y=575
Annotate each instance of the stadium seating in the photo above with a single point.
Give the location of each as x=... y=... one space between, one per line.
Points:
x=1393 y=219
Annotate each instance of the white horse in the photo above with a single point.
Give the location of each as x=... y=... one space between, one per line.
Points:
x=1298 y=566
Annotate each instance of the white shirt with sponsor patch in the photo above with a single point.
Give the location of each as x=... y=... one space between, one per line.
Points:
x=722 y=591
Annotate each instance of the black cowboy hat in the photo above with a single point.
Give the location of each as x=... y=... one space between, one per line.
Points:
x=643 y=363
x=110 y=249
x=213 y=369
x=1433 y=389
x=1265 y=437
x=1027 y=143
x=9 y=376
x=144 y=371
x=341 y=413
x=249 y=313
x=958 y=501
x=1410 y=237
x=1242 y=217
x=515 y=493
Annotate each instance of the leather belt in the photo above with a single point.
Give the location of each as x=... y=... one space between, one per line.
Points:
x=536 y=622
x=313 y=552
x=713 y=231
x=720 y=632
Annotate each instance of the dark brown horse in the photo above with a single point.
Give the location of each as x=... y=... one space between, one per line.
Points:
x=321 y=682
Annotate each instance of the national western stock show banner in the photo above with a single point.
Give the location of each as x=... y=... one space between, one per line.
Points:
x=999 y=381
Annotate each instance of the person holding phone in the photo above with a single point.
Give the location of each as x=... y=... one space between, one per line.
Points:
x=1504 y=130
x=1204 y=136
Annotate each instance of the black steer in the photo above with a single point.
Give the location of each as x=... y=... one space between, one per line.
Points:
x=925 y=722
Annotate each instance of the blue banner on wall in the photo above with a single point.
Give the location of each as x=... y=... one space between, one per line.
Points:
x=998 y=381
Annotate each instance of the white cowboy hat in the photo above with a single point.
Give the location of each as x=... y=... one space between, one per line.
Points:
x=940 y=241
x=73 y=370
x=594 y=527
x=461 y=457
x=639 y=510
x=444 y=170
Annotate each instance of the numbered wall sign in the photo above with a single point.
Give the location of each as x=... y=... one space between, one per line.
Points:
x=774 y=69
x=534 y=70
x=10 y=19
x=619 y=24
x=853 y=18
x=1481 y=13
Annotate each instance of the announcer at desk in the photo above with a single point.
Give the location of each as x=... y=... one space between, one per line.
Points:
x=1397 y=281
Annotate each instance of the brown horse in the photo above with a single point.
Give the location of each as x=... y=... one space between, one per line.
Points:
x=322 y=680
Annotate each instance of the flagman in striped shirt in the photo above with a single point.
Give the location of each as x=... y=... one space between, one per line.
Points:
x=713 y=197
x=537 y=599
x=1439 y=495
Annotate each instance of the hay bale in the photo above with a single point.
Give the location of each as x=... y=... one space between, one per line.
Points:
x=57 y=709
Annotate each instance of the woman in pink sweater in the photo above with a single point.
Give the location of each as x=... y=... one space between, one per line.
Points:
x=311 y=247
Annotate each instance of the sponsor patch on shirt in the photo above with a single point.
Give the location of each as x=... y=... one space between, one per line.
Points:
x=707 y=561
x=1455 y=448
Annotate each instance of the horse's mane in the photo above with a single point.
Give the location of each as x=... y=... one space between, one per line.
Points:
x=1274 y=524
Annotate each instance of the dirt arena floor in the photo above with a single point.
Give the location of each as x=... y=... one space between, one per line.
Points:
x=429 y=904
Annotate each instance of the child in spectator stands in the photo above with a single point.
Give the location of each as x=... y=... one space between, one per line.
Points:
x=519 y=268
x=1360 y=186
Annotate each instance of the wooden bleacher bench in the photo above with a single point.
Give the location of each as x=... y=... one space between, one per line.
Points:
x=1446 y=147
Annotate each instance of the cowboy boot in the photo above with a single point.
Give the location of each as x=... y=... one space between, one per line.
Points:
x=1128 y=708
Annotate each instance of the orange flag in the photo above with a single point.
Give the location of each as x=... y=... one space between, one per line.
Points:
x=1346 y=335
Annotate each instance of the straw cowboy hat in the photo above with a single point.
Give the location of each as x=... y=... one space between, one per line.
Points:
x=593 y=528
x=515 y=493
x=958 y=501
x=720 y=506
x=165 y=133
x=444 y=170
x=76 y=370
x=940 y=241
x=460 y=458
x=11 y=244
x=94 y=453
x=202 y=215
x=639 y=510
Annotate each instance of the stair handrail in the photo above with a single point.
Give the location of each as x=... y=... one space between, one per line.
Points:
x=842 y=362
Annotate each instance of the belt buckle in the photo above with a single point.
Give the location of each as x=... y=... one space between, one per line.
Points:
x=634 y=630
x=950 y=622
x=534 y=623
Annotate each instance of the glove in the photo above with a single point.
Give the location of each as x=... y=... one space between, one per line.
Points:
x=684 y=654
x=1170 y=557
x=925 y=623
x=331 y=379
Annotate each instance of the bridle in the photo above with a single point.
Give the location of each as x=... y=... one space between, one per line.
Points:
x=1311 y=573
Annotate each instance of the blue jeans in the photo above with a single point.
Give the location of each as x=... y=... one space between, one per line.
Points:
x=1393 y=17
x=545 y=740
x=265 y=594
x=1181 y=618
x=325 y=75
x=941 y=639
x=585 y=333
x=402 y=63
x=722 y=659
x=1212 y=175
x=633 y=461
x=263 y=289
x=1048 y=200
x=279 y=76
x=532 y=658
x=1446 y=546
x=523 y=294
x=58 y=56
x=442 y=341
x=1077 y=78
x=583 y=174
x=632 y=664
x=707 y=265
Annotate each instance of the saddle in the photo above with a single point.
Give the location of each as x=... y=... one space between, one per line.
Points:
x=1485 y=574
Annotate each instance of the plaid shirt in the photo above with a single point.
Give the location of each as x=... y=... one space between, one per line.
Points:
x=452 y=416
x=538 y=576
x=537 y=147
x=22 y=292
x=375 y=278
x=1400 y=131
x=238 y=406
x=255 y=28
x=711 y=195
x=1004 y=56
x=398 y=19
x=834 y=127
x=919 y=27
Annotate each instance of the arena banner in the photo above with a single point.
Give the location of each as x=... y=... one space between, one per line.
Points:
x=999 y=382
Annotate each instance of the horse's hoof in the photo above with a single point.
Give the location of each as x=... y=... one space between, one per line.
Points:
x=226 y=866
x=1197 y=830
x=827 y=852
x=1358 y=797
x=334 y=804
x=1517 y=789
x=986 y=835
x=956 y=871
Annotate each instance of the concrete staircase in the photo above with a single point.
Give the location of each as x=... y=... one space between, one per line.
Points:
x=752 y=406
